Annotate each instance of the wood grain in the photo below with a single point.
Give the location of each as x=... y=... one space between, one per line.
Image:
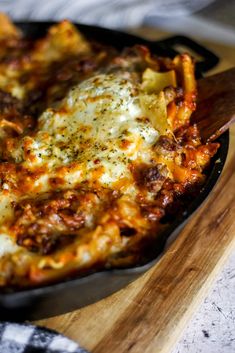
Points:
x=149 y=315
x=215 y=111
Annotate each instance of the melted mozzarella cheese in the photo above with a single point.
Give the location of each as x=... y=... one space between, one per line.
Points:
x=7 y=245
x=94 y=135
x=99 y=128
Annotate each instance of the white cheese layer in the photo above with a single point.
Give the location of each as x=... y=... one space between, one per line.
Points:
x=7 y=245
x=100 y=126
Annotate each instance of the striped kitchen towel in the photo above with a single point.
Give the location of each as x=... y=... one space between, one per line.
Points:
x=25 y=338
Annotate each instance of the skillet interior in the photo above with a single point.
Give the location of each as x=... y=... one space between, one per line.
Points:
x=66 y=296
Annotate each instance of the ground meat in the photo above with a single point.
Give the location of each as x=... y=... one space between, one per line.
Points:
x=166 y=143
x=45 y=224
x=152 y=212
x=151 y=177
x=44 y=243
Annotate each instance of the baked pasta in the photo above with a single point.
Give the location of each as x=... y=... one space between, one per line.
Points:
x=96 y=152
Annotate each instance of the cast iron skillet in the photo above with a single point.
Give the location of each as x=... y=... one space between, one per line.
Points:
x=75 y=293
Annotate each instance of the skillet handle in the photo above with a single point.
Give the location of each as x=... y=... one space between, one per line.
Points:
x=207 y=59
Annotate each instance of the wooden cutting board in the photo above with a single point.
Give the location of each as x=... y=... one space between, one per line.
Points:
x=149 y=315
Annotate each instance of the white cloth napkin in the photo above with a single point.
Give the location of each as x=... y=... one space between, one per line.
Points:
x=107 y=13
